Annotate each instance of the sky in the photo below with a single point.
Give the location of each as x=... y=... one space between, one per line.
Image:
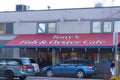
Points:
x=10 y=5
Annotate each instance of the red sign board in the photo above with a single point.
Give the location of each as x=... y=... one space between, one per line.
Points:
x=62 y=40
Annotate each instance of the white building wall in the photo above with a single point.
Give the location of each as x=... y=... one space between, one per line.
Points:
x=28 y=19
x=74 y=27
x=85 y=13
x=25 y=28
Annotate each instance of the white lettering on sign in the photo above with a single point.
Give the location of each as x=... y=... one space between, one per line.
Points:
x=93 y=42
x=63 y=42
x=65 y=37
x=43 y=42
x=76 y=36
x=28 y=42
x=55 y=42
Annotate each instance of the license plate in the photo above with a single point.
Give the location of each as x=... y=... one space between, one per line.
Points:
x=29 y=70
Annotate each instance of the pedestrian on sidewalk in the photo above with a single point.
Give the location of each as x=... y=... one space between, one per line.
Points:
x=112 y=68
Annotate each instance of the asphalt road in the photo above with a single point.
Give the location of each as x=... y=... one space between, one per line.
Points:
x=56 y=78
x=49 y=78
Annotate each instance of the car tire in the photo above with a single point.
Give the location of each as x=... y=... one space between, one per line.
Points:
x=80 y=74
x=9 y=75
x=49 y=73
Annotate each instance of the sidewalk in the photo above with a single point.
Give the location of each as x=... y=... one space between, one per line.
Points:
x=102 y=76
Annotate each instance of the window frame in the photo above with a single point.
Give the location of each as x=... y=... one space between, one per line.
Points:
x=4 y=28
x=114 y=25
x=92 y=27
x=107 y=26
x=46 y=27
x=102 y=26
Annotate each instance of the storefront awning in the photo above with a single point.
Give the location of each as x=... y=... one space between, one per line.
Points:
x=2 y=43
x=62 y=40
x=119 y=39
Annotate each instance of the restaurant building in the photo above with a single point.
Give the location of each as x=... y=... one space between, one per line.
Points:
x=59 y=34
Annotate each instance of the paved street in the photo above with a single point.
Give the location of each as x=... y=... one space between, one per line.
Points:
x=56 y=78
x=48 y=78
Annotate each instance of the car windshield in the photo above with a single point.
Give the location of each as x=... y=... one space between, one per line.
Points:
x=25 y=62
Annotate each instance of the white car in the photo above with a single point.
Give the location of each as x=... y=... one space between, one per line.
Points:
x=35 y=64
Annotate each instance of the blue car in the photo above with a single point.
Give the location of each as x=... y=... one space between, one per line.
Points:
x=79 y=67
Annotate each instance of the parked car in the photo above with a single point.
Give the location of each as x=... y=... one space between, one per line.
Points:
x=15 y=67
x=34 y=63
x=78 y=67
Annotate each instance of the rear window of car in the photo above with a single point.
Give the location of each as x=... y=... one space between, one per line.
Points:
x=25 y=62
x=32 y=61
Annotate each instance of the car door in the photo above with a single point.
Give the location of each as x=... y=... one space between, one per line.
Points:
x=71 y=68
x=60 y=68
x=2 y=66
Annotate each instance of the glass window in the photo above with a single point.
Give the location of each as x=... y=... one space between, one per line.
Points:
x=96 y=27
x=41 y=28
x=1 y=28
x=12 y=62
x=6 y=28
x=117 y=26
x=51 y=27
x=9 y=28
x=73 y=62
x=65 y=63
x=107 y=27
x=25 y=62
x=46 y=28
x=107 y=57
x=2 y=62
x=32 y=61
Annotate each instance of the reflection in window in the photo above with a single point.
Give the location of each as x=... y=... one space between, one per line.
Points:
x=51 y=27
x=117 y=26
x=107 y=27
x=12 y=62
x=1 y=28
x=6 y=28
x=2 y=62
x=41 y=28
x=47 y=27
x=9 y=28
x=96 y=27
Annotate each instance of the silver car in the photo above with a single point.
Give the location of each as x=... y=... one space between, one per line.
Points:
x=15 y=67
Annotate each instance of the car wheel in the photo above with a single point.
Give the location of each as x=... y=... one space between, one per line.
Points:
x=9 y=75
x=49 y=73
x=80 y=74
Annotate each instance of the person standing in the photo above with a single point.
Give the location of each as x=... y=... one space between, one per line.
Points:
x=39 y=61
x=112 y=68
